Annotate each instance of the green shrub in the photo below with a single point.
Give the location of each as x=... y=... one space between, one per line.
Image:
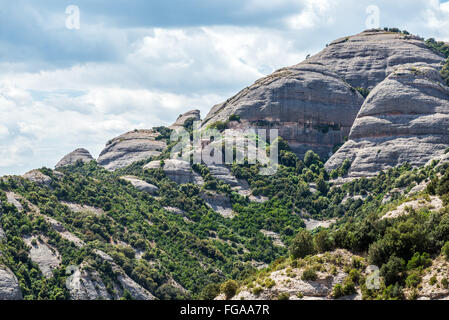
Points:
x=349 y=288
x=219 y=125
x=364 y=92
x=354 y=276
x=229 y=288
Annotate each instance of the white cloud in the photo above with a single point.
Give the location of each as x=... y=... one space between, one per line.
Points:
x=159 y=73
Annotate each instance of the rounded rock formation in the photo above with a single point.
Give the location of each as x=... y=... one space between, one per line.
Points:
x=73 y=157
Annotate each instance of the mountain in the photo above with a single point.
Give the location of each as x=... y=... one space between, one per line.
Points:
x=362 y=185
x=405 y=118
x=314 y=103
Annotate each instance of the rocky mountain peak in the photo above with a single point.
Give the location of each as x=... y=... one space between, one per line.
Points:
x=79 y=154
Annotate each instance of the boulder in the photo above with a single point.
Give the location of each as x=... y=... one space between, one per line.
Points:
x=73 y=157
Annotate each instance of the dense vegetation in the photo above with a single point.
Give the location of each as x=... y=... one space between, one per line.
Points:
x=203 y=249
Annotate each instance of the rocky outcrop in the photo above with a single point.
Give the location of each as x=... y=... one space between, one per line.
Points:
x=141 y=185
x=365 y=59
x=131 y=147
x=313 y=104
x=404 y=119
x=38 y=177
x=180 y=172
x=9 y=285
x=431 y=286
x=183 y=119
x=174 y=210
x=78 y=155
x=56 y=225
x=126 y=283
x=274 y=236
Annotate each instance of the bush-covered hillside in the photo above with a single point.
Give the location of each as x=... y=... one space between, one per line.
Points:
x=187 y=255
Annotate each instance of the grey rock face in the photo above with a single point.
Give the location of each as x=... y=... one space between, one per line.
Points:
x=190 y=115
x=73 y=157
x=82 y=208
x=37 y=177
x=9 y=285
x=311 y=107
x=180 y=172
x=2 y=234
x=366 y=59
x=222 y=173
x=141 y=185
x=312 y=103
x=404 y=119
x=219 y=203
x=130 y=147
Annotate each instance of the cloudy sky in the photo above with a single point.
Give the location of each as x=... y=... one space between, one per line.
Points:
x=138 y=64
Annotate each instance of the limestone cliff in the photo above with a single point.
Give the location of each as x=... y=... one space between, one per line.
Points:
x=314 y=103
x=404 y=119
